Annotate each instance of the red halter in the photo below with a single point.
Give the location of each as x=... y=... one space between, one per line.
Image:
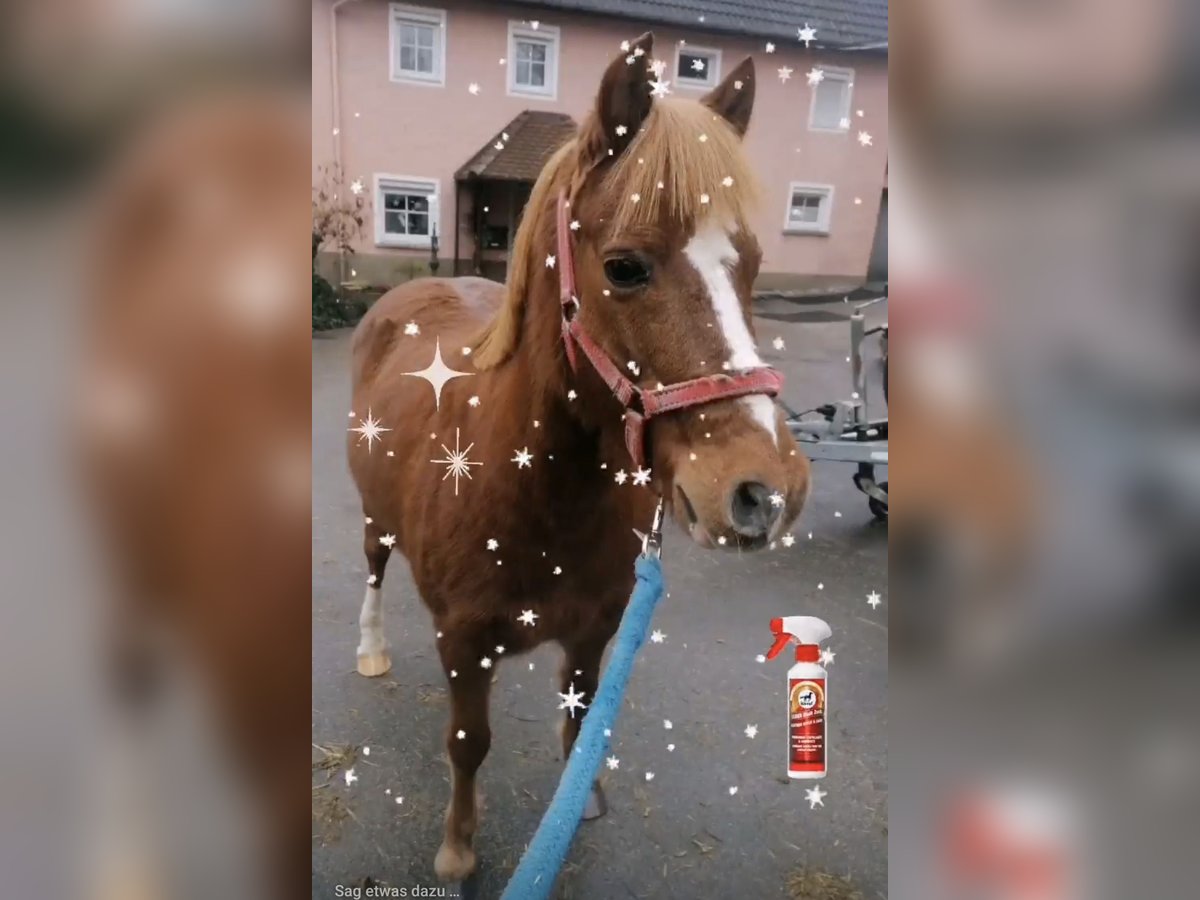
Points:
x=644 y=403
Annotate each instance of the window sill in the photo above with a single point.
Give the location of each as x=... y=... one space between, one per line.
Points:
x=404 y=243
x=532 y=94
x=819 y=130
x=694 y=84
x=812 y=231
x=417 y=79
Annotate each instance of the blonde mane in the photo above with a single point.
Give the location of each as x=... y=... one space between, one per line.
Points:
x=684 y=146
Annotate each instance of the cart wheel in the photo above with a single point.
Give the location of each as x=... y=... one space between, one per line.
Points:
x=879 y=509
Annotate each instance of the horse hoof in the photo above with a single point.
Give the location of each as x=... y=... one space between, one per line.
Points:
x=596 y=804
x=372 y=665
x=454 y=863
x=468 y=888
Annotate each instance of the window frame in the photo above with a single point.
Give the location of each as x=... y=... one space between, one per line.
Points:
x=399 y=13
x=838 y=72
x=824 y=211
x=712 y=70
x=546 y=34
x=430 y=187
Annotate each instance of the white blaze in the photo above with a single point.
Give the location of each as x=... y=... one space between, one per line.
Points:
x=711 y=253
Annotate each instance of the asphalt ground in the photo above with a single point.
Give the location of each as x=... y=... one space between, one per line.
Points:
x=682 y=834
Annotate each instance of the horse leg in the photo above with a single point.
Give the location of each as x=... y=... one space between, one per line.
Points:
x=373 y=658
x=468 y=740
x=583 y=657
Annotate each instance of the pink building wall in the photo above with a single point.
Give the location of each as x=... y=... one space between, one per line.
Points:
x=430 y=131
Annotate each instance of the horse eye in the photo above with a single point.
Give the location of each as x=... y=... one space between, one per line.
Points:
x=626 y=271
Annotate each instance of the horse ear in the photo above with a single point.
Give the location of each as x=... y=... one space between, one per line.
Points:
x=733 y=98
x=622 y=104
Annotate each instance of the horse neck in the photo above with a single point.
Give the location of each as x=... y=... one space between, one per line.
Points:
x=544 y=377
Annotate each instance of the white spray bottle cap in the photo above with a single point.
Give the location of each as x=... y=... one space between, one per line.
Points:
x=806 y=631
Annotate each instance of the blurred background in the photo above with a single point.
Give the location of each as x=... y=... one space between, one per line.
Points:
x=154 y=167
x=1045 y=172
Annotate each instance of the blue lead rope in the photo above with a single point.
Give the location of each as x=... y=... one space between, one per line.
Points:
x=538 y=869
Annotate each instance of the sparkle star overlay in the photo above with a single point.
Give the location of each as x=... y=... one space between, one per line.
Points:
x=438 y=373
x=369 y=429
x=456 y=461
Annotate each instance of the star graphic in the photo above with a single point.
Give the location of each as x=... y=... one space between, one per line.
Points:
x=625 y=45
x=785 y=72
x=356 y=186
x=807 y=34
x=369 y=429
x=558 y=570
x=657 y=637
x=399 y=799
x=751 y=731
x=777 y=499
x=412 y=329
x=874 y=599
x=549 y=260
x=473 y=401
x=635 y=197
x=493 y=544
x=522 y=459
x=437 y=374
x=727 y=181
x=350 y=777
x=827 y=657
x=473 y=87
x=778 y=344
x=499 y=649
x=649 y=776
x=371 y=579
x=659 y=88
x=760 y=658
x=460 y=734
x=620 y=477
x=527 y=617
x=737 y=85
x=697 y=65
x=612 y=762
x=788 y=540
x=485 y=663
x=574 y=224
x=456 y=461
x=704 y=198
x=814 y=795
x=388 y=540
x=641 y=477
x=770 y=47
x=864 y=138
x=815 y=76
x=670 y=748
x=571 y=700
x=667 y=724
x=658 y=66
x=571 y=394
x=620 y=130
x=499 y=145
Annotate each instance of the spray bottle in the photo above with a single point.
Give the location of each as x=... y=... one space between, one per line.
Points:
x=806 y=703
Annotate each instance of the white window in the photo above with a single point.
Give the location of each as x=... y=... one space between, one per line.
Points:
x=809 y=208
x=533 y=60
x=406 y=210
x=831 y=101
x=418 y=44
x=697 y=66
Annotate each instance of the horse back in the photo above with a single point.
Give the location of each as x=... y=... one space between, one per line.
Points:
x=452 y=309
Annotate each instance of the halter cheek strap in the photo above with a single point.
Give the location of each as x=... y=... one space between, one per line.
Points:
x=642 y=404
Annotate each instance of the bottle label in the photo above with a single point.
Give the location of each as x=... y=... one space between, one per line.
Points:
x=806 y=725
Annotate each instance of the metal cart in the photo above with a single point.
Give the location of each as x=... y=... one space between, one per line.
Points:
x=841 y=431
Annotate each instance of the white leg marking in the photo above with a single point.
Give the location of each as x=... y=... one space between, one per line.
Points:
x=711 y=253
x=370 y=623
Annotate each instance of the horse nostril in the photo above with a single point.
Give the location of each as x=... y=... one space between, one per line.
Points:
x=751 y=511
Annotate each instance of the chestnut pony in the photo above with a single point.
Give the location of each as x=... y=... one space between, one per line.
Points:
x=540 y=514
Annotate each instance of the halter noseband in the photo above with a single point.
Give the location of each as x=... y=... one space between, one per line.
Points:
x=643 y=403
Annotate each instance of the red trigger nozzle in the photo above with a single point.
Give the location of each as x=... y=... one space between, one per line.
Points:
x=781 y=638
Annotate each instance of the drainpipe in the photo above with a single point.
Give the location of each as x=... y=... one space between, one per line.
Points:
x=336 y=105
